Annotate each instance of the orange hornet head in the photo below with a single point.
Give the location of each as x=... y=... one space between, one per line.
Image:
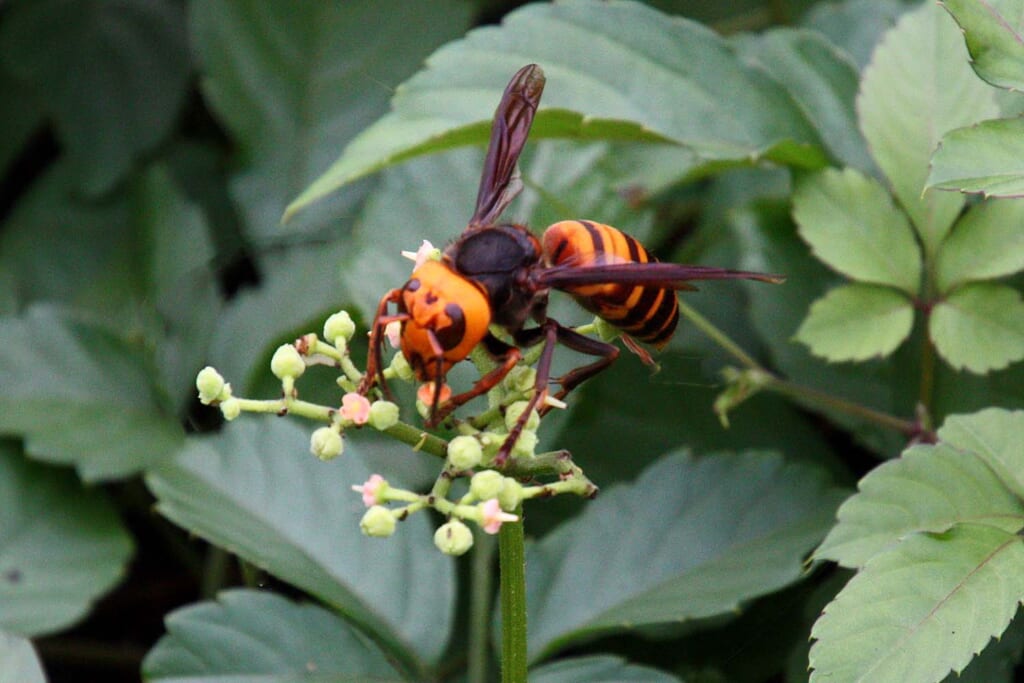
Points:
x=448 y=316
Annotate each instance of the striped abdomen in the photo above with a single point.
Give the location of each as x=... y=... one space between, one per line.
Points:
x=647 y=313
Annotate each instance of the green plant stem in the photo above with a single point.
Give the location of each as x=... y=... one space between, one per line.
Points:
x=512 y=560
x=822 y=400
x=481 y=600
x=719 y=337
x=768 y=380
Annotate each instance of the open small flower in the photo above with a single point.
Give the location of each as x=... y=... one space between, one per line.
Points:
x=373 y=490
x=393 y=331
x=492 y=516
x=425 y=394
x=355 y=407
x=426 y=252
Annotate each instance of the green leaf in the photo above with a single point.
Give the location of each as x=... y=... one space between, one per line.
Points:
x=928 y=489
x=854 y=25
x=111 y=74
x=852 y=225
x=918 y=86
x=62 y=546
x=921 y=609
x=997 y=663
x=18 y=660
x=293 y=82
x=693 y=538
x=97 y=241
x=257 y=491
x=769 y=243
x=856 y=322
x=598 y=669
x=19 y=118
x=81 y=395
x=986 y=158
x=994 y=38
x=640 y=86
x=175 y=274
x=987 y=242
x=994 y=435
x=823 y=81
x=258 y=636
x=979 y=327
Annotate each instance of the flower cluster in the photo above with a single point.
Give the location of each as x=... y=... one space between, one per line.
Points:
x=492 y=497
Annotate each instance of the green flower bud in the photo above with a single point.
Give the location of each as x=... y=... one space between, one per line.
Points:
x=400 y=366
x=511 y=494
x=325 y=443
x=383 y=415
x=287 y=362
x=211 y=386
x=465 y=452
x=515 y=411
x=525 y=445
x=487 y=484
x=231 y=408
x=520 y=379
x=605 y=330
x=453 y=538
x=378 y=522
x=339 y=325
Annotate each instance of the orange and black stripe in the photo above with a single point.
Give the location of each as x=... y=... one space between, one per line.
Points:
x=645 y=312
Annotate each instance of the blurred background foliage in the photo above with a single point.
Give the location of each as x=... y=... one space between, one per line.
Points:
x=149 y=150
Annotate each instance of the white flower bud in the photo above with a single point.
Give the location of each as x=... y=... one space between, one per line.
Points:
x=287 y=362
x=325 y=443
x=465 y=452
x=339 y=325
x=210 y=385
x=453 y=538
x=378 y=522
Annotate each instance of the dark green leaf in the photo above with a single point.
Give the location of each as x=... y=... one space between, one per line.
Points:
x=62 y=546
x=293 y=82
x=257 y=491
x=693 y=538
x=857 y=322
x=81 y=395
x=174 y=265
x=111 y=74
x=641 y=86
x=917 y=87
x=921 y=609
x=993 y=31
x=598 y=669
x=855 y=25
x=979 y=327
x=984 y=158
x=19 y=117
x=822 y=80
x=256 y=636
